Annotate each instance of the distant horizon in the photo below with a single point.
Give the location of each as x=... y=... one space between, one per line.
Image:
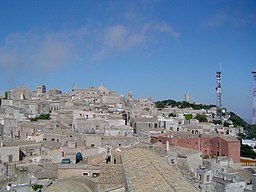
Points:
x=125 y=95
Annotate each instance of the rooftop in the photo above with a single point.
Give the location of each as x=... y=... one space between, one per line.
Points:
x=74 y=184
x=111 y=176
x=146 y=171
x=183 y=151
x=229 y=138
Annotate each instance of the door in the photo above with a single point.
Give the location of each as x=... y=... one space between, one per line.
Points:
x=9 y=158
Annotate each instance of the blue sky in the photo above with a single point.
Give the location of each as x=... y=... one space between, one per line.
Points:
x=156 y=48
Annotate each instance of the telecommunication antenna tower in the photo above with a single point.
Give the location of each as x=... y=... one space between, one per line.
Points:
x=218 y=92
x=254 y=98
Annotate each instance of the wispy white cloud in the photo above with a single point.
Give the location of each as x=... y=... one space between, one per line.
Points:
x=244 y=19
x=218 y=19
x=37 y=49
x=47 y=51
x=164 y=28
x=234 y=18
x=53 y=52
x=119 y=39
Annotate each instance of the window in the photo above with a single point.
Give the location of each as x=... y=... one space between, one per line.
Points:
x=85 y=173
x=92 y=145
x=208 y=178
x=95 y=174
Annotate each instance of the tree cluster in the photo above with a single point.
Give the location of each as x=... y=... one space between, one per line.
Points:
x=40 y=117
x=247 y=151
x=237 y=121
x=201 y=118
x=181 y=104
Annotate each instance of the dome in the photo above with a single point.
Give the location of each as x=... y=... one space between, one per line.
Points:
x=74 y=184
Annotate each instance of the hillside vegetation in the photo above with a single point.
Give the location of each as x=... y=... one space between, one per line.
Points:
x=249 y=129
x=181 y=104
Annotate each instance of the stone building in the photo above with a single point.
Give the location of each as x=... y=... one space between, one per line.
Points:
x=94 y=125
x=117 y=141
x=205 y=177
x=10 y=128
x=73 y=170
x=209 y=145
x=19 y=93
x=9 y=154
x=233 y=184
x=141 y=124
x=41 y=90
x=185 y=157
x=54 y=92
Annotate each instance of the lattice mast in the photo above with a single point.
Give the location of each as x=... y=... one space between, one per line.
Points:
x=218 y=92
x=254 y=98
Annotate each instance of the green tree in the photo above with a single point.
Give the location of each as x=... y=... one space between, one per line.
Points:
x=160 y=105
x=251 y=131
x=172 y=115
x=241 y=136
x=237 y=121
x=226 y=124
x=5 y=95
x=35 y=187
x=42 y=116
x=201 y=118
x=216 y=122
x=247 y=151
x=181 y=104
x=188 y=116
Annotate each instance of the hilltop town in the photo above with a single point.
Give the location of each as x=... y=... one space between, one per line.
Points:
x=93 y=139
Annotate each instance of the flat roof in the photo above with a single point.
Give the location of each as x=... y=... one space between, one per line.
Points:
x=229 y=138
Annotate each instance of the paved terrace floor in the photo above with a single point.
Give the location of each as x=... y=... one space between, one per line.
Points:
x=146 y=171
